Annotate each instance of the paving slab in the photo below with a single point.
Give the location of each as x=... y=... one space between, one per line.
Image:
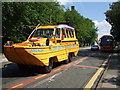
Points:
x=112 y=76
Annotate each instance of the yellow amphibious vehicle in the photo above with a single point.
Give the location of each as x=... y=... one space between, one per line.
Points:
x=45 y=45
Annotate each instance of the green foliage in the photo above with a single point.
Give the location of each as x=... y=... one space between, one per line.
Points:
x=85 y=28
x=15 y=15
x=113 y=17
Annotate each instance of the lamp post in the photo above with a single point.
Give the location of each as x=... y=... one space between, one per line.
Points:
x=72 y=8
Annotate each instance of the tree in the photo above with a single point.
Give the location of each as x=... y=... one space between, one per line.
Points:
x=85 y=28
x=113 y=17
x=16 y=15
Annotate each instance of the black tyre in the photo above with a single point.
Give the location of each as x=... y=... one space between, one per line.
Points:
x=68 y=60
x=47 y=69
x=22 y=67
x=70 y=57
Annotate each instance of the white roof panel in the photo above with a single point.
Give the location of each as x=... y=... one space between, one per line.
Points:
x=64 y=26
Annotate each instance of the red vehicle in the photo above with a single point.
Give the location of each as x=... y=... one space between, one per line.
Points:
x=106 y=43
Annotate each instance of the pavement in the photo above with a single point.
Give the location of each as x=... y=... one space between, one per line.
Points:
x=111 y=76
x=2 y=58
x=81 y=48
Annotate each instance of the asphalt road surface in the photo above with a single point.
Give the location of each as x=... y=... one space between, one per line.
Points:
x=82 y=72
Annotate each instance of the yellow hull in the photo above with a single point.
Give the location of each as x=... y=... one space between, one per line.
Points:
x=39 y=55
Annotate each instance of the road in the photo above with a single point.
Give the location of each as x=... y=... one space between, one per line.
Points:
x=83 y=72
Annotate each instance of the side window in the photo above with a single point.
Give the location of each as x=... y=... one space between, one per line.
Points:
x=67 y=32
x=72 y=33
x=57 y=33
x=70 y=36
x=63 y=33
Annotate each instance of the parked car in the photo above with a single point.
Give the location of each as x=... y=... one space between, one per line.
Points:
x=94 y=47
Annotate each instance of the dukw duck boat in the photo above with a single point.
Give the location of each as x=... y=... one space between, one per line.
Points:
x=45 y=45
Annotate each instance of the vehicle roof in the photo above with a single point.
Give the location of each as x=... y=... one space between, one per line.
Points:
x=107 y=36
x=47 y=26
x=55 y=26
x=64 y=26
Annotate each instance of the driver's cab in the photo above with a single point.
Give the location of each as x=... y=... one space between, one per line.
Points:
x=54 y=34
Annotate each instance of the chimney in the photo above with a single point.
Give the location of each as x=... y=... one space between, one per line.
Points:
x=72 y=8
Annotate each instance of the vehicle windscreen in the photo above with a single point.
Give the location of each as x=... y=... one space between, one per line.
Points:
x=45 y=33
x=94 y=46
x=106 y=41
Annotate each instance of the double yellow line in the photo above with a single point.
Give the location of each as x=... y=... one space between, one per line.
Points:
x=94 y=78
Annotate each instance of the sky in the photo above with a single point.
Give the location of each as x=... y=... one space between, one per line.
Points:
x=94 y=10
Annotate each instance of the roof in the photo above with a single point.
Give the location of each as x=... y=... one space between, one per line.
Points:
x=55 y=26
x=64 y=26
x=47 y=26
x=107 y=36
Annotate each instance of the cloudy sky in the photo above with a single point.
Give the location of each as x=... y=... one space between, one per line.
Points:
x=94 y=10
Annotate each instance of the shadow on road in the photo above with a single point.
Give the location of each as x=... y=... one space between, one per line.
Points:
x=11 y=70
